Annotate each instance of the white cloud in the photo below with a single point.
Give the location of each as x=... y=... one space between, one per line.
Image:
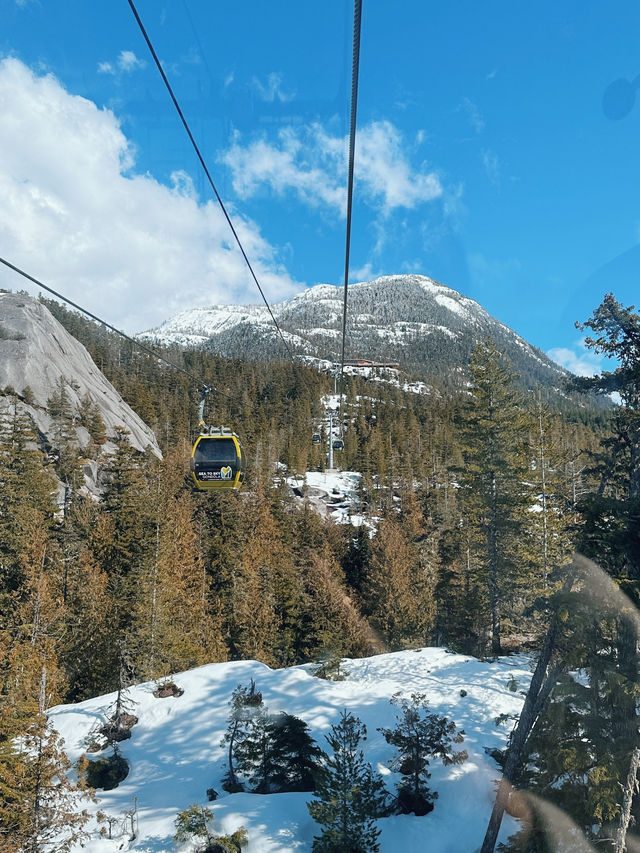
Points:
x=122 y=245
x=365 y=273
x=271 y=90
x=126 y=62
x=491 y=165
x=312 y=163
x=473 y=114
x=579 y=360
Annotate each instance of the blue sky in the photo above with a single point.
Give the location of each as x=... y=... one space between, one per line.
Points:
x=484 y=159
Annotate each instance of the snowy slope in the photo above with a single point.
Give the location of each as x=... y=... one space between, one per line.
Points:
x=424 y=326
x=175 y=752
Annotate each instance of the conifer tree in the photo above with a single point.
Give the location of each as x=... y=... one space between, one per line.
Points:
x=257 y=601
x=64 y=436
x=495 y=433
x=24 y=484
x=86 y=647
x=549 y=523
x=246 y=707
x=350 y=797
x=48 y=814
x=461 y=592
x=121 y=537
x=419 y=736
x=399 y=595
x=275 y=753
x=91 y=420
x=294 y=753
x=173 y=626
x=357 y=558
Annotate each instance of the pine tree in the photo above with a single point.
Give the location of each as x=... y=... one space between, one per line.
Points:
x=399 y=595
x=495 y=433
x=91 y=420
x=246 y=711
x=350 y=795
x=86 y=647
x=120 y=538
x=24 y=484
x=276 y=753
x=63 y=433
x=550 y=521
x=612 y=515
x=174 y=626
x=48 y=815
x=418 y=737
x=294 y=753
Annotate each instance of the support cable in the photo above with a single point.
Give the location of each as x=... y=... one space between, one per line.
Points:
x=355 y=68
x=206 y=170
x=113 y=329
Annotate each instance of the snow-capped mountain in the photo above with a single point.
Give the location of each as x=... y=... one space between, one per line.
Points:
x=429 y=329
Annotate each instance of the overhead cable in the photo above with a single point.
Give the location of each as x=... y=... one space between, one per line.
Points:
x=355 y=69
x=206 y=170
x=113 y=329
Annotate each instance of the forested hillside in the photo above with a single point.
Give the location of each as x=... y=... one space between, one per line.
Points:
x=479 y=500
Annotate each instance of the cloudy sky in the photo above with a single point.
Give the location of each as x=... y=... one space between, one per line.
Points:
x=493 y=154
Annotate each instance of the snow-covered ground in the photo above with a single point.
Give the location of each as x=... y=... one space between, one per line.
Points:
x=175 y=751
x=333 y=494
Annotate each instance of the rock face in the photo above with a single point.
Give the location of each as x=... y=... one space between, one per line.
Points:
x=36 y=352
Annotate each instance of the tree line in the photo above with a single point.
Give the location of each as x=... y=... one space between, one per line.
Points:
x=479 y=500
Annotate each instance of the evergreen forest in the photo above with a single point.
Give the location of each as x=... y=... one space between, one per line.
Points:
x=477 y=502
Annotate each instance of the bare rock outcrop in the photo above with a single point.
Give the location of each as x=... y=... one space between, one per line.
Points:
x=36 y=352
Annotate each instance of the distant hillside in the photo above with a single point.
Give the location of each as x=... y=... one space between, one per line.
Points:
x=429 y=329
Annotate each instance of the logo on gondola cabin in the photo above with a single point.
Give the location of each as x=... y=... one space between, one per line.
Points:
x=225 y=472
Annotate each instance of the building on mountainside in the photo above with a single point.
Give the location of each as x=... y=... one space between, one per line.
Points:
x=365 y=362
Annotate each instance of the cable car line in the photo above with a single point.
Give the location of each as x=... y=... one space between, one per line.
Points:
x=355 y=69
x=206 y=170
x=131 y=340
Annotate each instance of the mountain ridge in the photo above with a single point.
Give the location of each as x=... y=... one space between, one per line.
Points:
x=428 y=328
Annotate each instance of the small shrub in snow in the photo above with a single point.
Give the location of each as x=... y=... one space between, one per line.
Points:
x=107 y=772
x=418 y=737
x=165 y=688
x=328 y=666
x=195 y=822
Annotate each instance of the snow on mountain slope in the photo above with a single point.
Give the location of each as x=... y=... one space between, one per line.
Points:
x=425 y=326
x=175 y=752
